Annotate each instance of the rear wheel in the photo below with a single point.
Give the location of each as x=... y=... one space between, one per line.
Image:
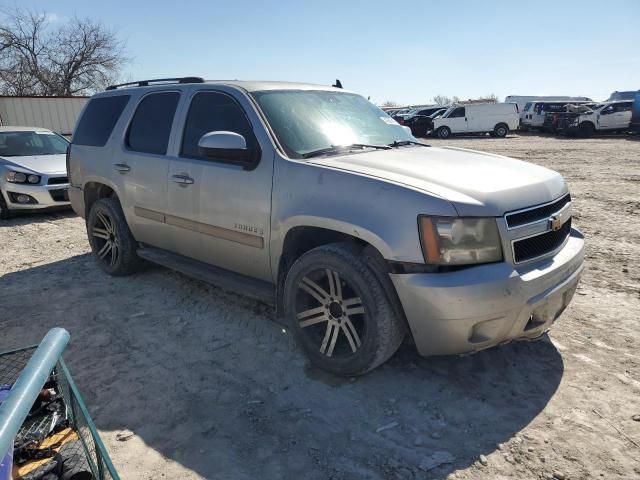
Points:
x=501 y=130
x=444 y=132
x=340 y=312
x=110 y=238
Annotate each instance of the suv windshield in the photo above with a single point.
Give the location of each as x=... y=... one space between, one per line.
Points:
x=19 y=144
x=310 y=120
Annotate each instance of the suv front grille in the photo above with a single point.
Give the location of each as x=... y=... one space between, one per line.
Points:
x=536 y=213
x=57 y=180
x=533 y=247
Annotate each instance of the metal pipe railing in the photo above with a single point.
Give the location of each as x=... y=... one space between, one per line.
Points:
x=27 y=387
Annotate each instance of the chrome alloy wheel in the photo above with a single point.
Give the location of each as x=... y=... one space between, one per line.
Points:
x=330 y=313
x=107 y=242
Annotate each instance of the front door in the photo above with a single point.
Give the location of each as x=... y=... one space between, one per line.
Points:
x=457 y=120
x=605 y=118
x=219 y=212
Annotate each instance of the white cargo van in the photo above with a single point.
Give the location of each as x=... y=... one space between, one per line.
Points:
x=493 y=118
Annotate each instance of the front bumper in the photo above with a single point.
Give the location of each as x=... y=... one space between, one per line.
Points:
x=480 y=307
x=45 y=196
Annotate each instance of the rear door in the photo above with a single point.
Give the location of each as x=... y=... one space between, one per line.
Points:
x=220 y=212
x=623 y=114
x=457 y=120
x=143 y=163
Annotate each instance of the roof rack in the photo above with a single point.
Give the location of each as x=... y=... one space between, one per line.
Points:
x=146 y=83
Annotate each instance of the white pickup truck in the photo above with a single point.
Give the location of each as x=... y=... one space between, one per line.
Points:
x=606 y=117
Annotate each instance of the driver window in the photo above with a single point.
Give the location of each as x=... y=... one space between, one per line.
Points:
x=457 y=113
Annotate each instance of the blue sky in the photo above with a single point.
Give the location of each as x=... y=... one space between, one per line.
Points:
x=406 y=51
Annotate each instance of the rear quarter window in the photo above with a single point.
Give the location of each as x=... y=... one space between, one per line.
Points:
x=99 y=118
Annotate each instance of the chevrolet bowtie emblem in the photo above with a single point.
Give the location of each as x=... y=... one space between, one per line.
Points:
x=555 y=222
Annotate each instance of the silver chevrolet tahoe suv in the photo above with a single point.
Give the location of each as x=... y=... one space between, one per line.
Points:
x=313 y=199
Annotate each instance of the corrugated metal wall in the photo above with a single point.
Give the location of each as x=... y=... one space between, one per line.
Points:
x=55 y=113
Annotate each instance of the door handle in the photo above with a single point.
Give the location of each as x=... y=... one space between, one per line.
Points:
x=182 y=179
x=121 y=167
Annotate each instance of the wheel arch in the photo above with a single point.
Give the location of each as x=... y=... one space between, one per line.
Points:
x=301 y=239
x=95 y=190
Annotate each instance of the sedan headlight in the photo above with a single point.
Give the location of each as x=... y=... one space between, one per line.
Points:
x=19 y=177
x=460 y=241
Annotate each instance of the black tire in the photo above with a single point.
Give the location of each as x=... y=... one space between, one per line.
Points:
x=443 y=132
x=351 y=324
x=5 y=213
x=501 y=130
x=110 y=238
x=586 y=129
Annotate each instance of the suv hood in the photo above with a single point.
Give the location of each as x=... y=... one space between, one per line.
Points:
x=476 y=183
x=37 y=163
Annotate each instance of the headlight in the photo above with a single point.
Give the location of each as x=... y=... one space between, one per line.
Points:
x=460 y=241
x=19 y=177
x=15 y=177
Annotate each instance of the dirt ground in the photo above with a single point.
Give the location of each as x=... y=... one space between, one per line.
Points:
x=187 y=381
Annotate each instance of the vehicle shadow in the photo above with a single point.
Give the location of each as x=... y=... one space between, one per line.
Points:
x=35 y=216
x=207 y=380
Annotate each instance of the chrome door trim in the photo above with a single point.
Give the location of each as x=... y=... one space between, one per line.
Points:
x=243 y=238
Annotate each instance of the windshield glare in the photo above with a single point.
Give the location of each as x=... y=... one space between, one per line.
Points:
x=309 y=120
x=22 y=144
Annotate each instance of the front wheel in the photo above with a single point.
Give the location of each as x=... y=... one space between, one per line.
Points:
x=444 y=132
x=110 y=238
x=587 y=129
x=340 y=312
x=5 y=213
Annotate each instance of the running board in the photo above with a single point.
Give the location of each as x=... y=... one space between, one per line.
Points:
x=225 y=279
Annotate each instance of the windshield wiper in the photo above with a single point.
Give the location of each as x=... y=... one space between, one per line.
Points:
x=402 y=143
x=341 y=148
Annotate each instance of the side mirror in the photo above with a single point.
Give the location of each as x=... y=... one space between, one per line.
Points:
x=228 y=147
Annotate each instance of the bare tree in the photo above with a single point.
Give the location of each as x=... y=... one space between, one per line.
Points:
x=80 y=56
x=441 y=100
x=390 y=103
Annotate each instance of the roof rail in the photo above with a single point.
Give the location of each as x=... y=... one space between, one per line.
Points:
x=146 y=83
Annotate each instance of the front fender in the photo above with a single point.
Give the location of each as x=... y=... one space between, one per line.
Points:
x=382 y=213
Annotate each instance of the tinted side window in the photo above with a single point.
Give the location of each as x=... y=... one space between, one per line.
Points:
x=151 y=125
x=213 y=111
x=624 y=107
x=458 y=112
x=99 y=118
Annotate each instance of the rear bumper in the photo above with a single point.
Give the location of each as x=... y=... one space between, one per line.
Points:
x=76 y=196
x=477 y=308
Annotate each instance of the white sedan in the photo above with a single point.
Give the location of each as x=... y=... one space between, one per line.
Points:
x=33 y=172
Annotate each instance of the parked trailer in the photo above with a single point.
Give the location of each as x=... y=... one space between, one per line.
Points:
x=58 y=114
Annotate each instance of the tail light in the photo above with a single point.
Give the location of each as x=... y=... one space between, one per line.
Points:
x=67 y=156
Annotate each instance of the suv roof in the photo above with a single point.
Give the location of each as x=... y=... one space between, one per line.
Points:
x=248 y=85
